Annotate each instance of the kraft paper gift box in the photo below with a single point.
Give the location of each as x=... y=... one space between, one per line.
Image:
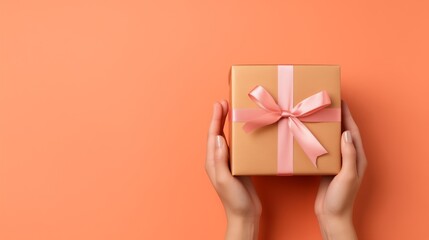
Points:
x=285 y=120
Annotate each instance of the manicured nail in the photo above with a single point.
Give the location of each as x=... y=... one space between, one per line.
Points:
x=219 y=141
x=348 y=137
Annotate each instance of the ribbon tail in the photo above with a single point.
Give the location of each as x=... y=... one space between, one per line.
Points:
x=308 y=142
x=264 y=120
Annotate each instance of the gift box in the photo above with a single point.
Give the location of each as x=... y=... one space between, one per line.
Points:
x=285 y=120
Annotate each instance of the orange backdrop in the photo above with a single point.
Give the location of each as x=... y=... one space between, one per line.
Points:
x=104 y=109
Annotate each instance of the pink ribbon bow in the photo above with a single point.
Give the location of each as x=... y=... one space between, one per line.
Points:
x=272 y=113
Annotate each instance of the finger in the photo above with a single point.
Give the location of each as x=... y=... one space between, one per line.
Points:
x=224 y=105
x=216 y=122
x=348 y=154
x=211 y=140
x=323 y=186
x=348 y=121
x=222 y=172
x=248 y=184
x=361 y=166
x=350 y=124
x=321 y=192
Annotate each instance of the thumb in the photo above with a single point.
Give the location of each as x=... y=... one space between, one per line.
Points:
x=221 y=159
x=348 y=153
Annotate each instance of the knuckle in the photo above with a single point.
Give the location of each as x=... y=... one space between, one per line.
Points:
x=365 y=163
x=208 y=164
x=317 y=211
x=351 y=150
x=354 y=126
x=351 y=178
x=355 y=130
x=259 y=208
x=350 y=154
x=363 y=168
x=221 y=181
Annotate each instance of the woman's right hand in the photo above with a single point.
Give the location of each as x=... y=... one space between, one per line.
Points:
x=336 y=195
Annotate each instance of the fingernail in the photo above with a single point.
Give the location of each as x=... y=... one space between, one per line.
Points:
x=219 y=141
x=348 y=137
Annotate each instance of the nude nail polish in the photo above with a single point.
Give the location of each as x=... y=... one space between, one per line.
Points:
x=219 y=141
x=348 y=137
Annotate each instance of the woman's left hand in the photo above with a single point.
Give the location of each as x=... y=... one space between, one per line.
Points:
x=238 y=196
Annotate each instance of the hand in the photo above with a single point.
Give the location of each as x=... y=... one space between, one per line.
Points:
x=336 y=195
x=238 y=196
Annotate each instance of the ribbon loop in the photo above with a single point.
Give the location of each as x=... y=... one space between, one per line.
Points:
x=312 y=104
x=264 y=99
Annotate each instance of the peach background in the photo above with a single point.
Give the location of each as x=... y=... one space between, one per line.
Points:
x=104 y=107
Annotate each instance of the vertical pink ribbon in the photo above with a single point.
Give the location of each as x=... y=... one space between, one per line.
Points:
x=289 y=119
x=284 y=136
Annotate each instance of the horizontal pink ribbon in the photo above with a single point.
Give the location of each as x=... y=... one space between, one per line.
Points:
x=312 y=109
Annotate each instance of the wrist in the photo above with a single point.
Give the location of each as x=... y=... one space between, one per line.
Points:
x=337 y=227
x=241 y=227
